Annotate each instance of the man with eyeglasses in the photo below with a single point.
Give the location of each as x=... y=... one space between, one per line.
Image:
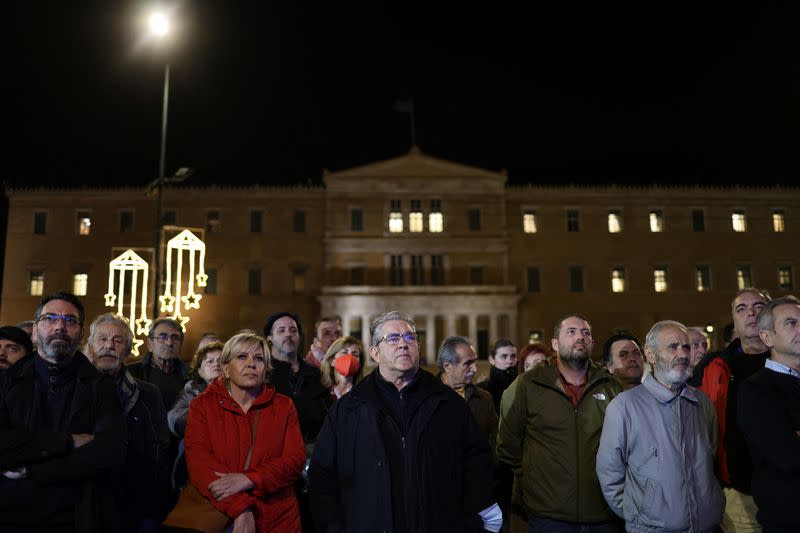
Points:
x=401 y=451
x=61 y=431
x=162 y=366
x=145 y=474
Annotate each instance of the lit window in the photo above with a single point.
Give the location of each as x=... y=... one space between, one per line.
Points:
x=36 y=283
x=778 y=222
x=744 y=278
x=396 y=222
x=738 y=220
x=415 y=222
x=299 y=280
x=84 y=223
x=660 y=279
x=212 y=221
x=785 y=278
x=702 y=278
x=618 y=279
x=615 y=222
x=435 y=218
x=656 y=221
x=79 y=284
x=529 y=221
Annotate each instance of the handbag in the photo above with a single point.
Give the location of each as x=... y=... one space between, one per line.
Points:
x=194 y=512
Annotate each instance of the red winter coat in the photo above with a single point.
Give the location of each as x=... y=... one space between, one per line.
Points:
x=218 y=438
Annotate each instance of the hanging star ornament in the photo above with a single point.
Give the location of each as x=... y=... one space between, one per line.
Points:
x=110 y=299
x=167 y=303
x=202 y=279
x=143 y=326
x=136 y=344
x=192 y=301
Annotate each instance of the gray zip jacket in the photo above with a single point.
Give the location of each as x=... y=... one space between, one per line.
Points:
x=656 y=460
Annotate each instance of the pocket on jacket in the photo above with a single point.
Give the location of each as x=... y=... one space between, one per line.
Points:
x=648 y=464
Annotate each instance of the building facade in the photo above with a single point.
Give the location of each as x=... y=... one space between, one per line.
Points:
x=453 y=246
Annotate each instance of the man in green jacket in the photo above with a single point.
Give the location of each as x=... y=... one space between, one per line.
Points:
x=551 y=433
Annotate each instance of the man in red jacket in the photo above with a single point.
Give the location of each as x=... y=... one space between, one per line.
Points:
x=719 y=376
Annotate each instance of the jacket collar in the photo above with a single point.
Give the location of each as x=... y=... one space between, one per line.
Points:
x=365 y=390
x=663 y=394
x=24 y=368
x=219 y=390
x=545 y=374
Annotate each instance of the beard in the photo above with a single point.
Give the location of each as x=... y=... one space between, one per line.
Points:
x=667 y=374
x=58 y=348
x=573 y=358
x=107 y=361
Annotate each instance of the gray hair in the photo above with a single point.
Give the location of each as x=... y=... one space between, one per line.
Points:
x=171 y=322
x=377 y=324
x=698 y=330
x=447 y=351
x=651 y=340
x=766 y=317
x=117 y=320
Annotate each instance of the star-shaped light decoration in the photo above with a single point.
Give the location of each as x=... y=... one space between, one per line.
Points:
x=143 y=326
x=192 y=301
x=167 y=303
x=136 y=344
x=182 y=320
x=202 y=279
x=111 y=299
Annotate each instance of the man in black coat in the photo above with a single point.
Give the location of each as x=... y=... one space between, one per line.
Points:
x=769 y=417
x=61 y=431
x=401 y=451
x=141 y=486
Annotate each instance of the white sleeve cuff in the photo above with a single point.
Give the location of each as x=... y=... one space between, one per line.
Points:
x=492 y=518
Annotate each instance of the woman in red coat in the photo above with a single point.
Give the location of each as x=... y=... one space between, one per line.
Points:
x=260 y=496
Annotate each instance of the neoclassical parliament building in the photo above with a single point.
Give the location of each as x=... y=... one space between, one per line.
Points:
x=454 y=246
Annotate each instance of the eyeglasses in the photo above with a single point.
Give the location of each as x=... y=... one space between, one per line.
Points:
x=51 y=319
x=394 y=338
x=164 y=337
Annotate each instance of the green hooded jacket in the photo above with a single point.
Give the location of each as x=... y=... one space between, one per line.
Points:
x=552 y=446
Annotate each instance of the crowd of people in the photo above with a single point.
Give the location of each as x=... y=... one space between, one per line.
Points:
x=257 y=435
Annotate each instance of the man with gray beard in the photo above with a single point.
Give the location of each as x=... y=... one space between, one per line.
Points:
x=655 y=463
x=551 y=433
x=61 y=431
x=141 y=486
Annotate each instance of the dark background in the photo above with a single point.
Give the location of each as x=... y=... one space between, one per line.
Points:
x=266 y=92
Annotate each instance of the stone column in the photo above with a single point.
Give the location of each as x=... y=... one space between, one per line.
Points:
x=493 y=319
x=451 y=325
x=473 y=329
x=365 y=338
x=513 y=332
x=430 y=340
x=345 y=325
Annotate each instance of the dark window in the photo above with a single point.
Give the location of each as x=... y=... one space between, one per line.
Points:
x=437 y=270
x=256 y=221
x=476 y=275
x=396 y=270
x=169 y=217
x=299 y=221
x=394 y=206
x=212 y=221
x=299 y=280
x=474 y=219
x=573 y=222
x=436 y=206
x=417 y=272
x=40 y=223
x=254 y=282
x=698 y=220
x=357 y=275
x=356 y=219
x=416 y=205
x=211 y=282
x=125 y=221
x=533 y=279
x=576 y=279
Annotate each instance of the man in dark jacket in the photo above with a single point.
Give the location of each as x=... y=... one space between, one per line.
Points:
x=769 y=417
x=162 y=366
x=141 y=485
x=503 y=370
x=61 y=431
x=401 y=451
x=719 y=376
x=551 y=433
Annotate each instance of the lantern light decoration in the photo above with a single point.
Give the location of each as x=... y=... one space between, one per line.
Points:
x=118 y=269
x=185 y=243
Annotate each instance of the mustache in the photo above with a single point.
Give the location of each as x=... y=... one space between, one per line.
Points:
x=681 y=361
x=107 y=353
x=59 y=337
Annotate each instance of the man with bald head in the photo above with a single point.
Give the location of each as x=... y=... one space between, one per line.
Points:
x=661 y=435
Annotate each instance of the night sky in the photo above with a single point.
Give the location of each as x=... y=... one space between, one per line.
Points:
x=265 y=92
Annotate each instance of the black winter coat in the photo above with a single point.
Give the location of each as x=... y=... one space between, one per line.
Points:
x=448 y=465
x=62 y=482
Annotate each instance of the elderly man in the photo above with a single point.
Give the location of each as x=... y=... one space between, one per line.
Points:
x=141 y=489
x=14 y=345
x=698 y=341
x=623 y=359
x=326 y=330
x=503 y=370
x=401 y=451
x=457 y=360
x=719 y=376
x=61 y=431
x=769 y=417
x=655 y=462
x=162 y=366
x=551 y=432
